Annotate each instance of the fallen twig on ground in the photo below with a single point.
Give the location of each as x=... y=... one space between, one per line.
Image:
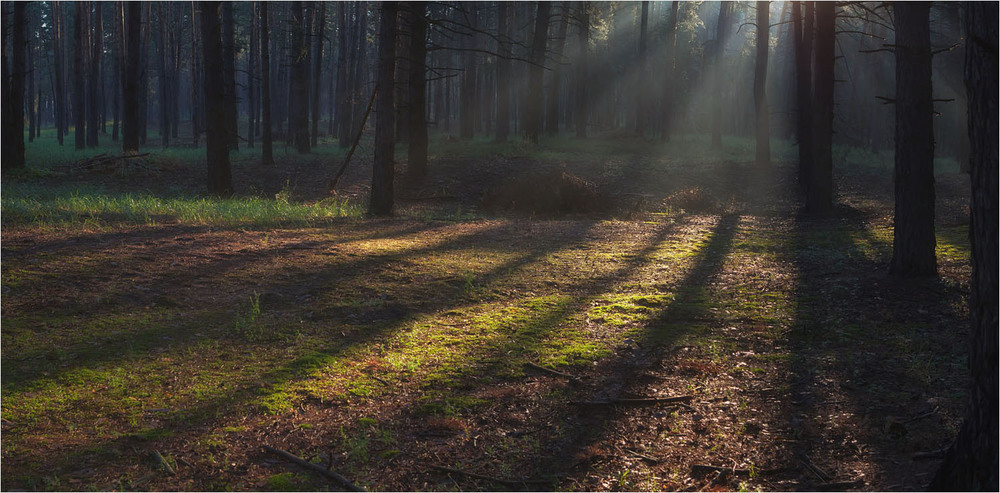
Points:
x=163 y=462
x=314 y=467
x=551 y=371
x=647 y=401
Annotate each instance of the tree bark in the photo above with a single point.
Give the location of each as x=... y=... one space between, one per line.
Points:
x=14 y=105
x=469 y=74
x=30 y=74
x=251 y=76
x=803 y=23
x=164 y=78
x=79 y=73
x=971 y=462
x=383 y=170
x=533 y=97
x=94 y=75
x=718 y=55
x=555 y=87
x=580 y=113
x=763 y=124
x=317 y=72
x=60 y=91
x=641 y=96
x=229 y=74
x=132 y=81
x=197 y=110
x=503 y=72
x=669 y=96
x=819 y=198
x=913 y=226
x=266 y=139
x=299 y=87
x=216 y=107
x=417 y=148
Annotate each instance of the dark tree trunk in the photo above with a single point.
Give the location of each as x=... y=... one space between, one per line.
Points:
x=384 y=167
x=216 y=107
x=803 y=88
x=229 y=74
x=581 y=72
x=267 y=153
x=13 y=155
x=94 y=73
x=197 y=110
x=299 y=88
x=30 y=74
x=79 y=73
x=60 y=91
x=533 y=98
x=971 y=461
x=144 y=89
x=118 y=36
x=552 y=110
x=132 y=80
x=317 y=72
x=469 y=74
x=251 y=76
x=164 y=78
x=669 y=96
x=641 y=98
x=417 y=149
x=913 y=227
x=819 y=197
x=718 y=55
x=763 y=124
x=503 y=72
x=343 y=113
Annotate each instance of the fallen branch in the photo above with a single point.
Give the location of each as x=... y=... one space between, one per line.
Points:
x=649 y=401
x=551 y=371
x=821 y=474
x=727 y=470
x=314 y=467
x=163 y=462
x=506 y=482
x=357 y=140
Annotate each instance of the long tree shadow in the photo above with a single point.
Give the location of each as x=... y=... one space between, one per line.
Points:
x=869 y=353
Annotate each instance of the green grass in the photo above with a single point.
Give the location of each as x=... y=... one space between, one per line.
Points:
x=31 y=204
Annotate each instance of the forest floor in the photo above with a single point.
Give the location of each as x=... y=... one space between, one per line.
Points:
x=450 y=349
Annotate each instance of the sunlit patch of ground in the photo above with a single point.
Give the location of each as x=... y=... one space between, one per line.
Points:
x=385 y=347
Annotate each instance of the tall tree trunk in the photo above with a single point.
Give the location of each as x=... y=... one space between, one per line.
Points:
x=216 y=107
x=13 y=155
x=59 y=92
x=197 y=110
x=913 y=227
x=581 y=72
x=971 y=462
x=417 y=114
x=503 y=72
x=469 y=74
x=94 y=74
x=251 y=75
x=718 y=57
x=384 y=167
x=819 y=198
x=641 y=96
x=30 y=74
x=669 y=97
x=552 y=110
x=229 y=74
x=117 y=55
x=343 y=114
x=299 y=87
x=267 y=154
x=804 y=36
x=317 y=72
x=79 y=74
x=132 y=83
x=164 y=77
x=147 y=15
x=763 y=124
x=533 y=97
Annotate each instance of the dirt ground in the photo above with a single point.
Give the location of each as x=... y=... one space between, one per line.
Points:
x=755 y=349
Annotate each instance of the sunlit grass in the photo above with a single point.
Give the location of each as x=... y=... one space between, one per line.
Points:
x=27 y=204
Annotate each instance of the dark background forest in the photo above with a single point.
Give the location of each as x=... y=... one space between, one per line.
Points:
x=517 y=245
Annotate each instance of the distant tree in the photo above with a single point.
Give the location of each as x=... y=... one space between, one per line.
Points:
x=641 y=98
x=132 y=82
x=13 y=155
x=317 y=70
x=267 y=151
x=59 y=91
x=470 y=73
x=95 y=77
x=216 y=126
x=29 y=73
x=162 y=49
x=79 y=73
x=669 y=81
x=971 y=462
x=343 y=108
x=417 y=109
x=555 y=83
x=252 y=77
x=913 y=227
x=803 y=19
x=298 y=122
x=762 y=127
x=197 y=116
x=229 y=73
x=503 y=71
x=580 y=113
x=533 y=97
x=819 y=197
x=718 y=55
x=381 y=200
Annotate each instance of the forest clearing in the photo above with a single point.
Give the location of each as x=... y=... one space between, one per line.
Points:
x=385 y=347
x=499 y=246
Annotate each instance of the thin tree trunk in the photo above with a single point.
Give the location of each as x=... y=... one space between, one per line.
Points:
x=384 y=168
x=641 y=98
x=533 y=97
x=299 y=87
x=216 y=107
x=343 y=111
x=552 y=110
x=119 y=64
x=581 y=75
x=14 y=122
x=763 y=124
x=79 y=74
x=503 y=72
x=30 y=74
x=229 y=74
x=197 y=110
x=267 y=156
x=94 y=74
x=251 y=75
x=164 y=76
x=469 y=74
x=669 y=97
x=417 y=114
x=317 y=72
